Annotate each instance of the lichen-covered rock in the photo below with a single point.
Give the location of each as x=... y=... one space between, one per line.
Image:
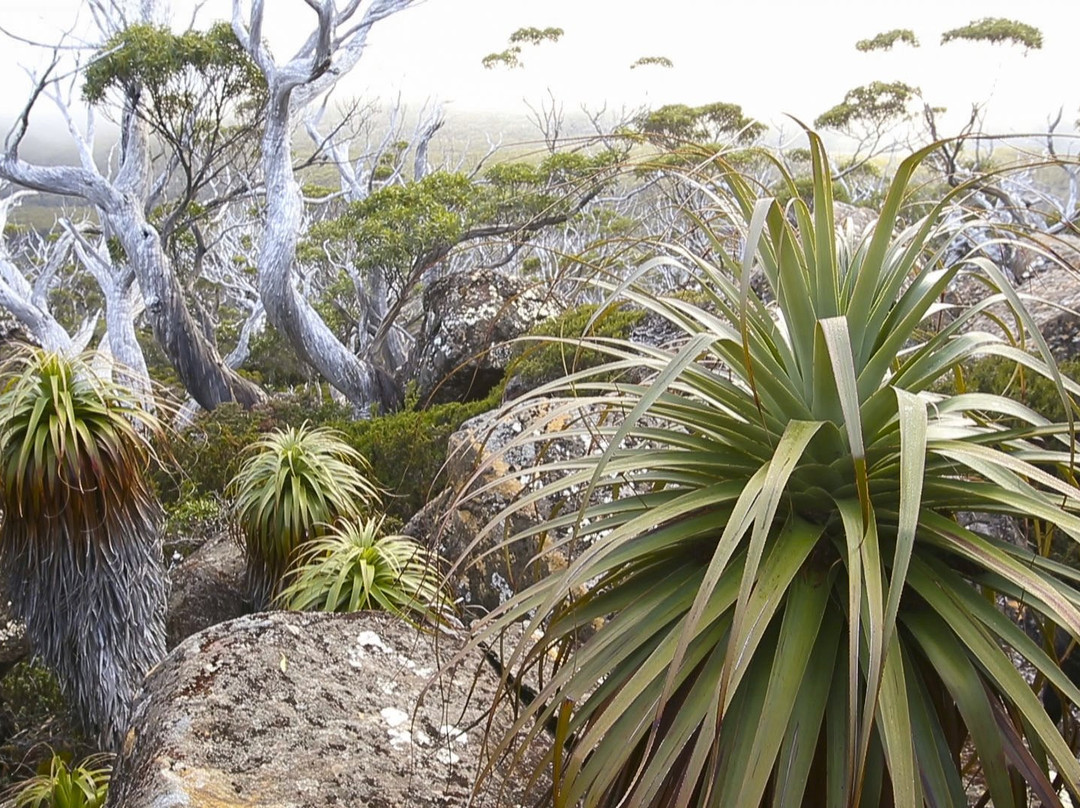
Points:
x=468 y=320
x=501 y=447
x=207 y=588
x=290 y=710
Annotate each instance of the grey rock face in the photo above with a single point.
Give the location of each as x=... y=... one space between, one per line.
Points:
x=505 y=449
x=289 y=710
x=207 y=588
x=467 y=321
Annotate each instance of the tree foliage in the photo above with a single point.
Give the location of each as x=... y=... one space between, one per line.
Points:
x=996 y=30
x=511 y=57
x=153 y=58
x=535 y=36
x=886 y=40
x=656 y=61
x=875 y=105
x=680 y=123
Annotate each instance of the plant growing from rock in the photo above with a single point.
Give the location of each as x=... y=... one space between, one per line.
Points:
x=79 y=544
x=355 y=566
x=293 y=485
x=792 y=612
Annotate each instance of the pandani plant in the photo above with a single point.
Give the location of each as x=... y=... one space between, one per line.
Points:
x=80 y=550
x=292 y=486
x=357 y=565
x=59 y=785
x=783 y=604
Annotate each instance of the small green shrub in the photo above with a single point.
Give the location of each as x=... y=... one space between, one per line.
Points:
x=31 y=693
x=1002 y=377
x=60 y=785
x=538 y=360
x=356 y=566
x=34 y=715
x=406 y=450
x=208 y=455
x=191 y=514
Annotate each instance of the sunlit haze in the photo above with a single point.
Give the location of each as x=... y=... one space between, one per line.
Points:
x=773 y=57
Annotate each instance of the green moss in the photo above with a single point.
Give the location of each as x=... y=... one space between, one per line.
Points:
x=538 y=361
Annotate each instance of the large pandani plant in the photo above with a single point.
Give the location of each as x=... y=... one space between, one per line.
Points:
x=80 y=550
x=790 y=610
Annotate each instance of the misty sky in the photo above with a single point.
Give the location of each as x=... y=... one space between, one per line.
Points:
x=770 y=56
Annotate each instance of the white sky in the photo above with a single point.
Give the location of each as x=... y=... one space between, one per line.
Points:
x=770 y=56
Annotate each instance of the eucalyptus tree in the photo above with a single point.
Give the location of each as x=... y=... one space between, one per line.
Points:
x=124 y=200
x=400 y=233
x=872 y=115
x=331 y=51
x=26 y=296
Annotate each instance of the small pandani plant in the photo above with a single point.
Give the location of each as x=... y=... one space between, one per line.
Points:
x=786 y=608
x=354 y=566
x=292 y=486
x=81 y=785
x=80 y=550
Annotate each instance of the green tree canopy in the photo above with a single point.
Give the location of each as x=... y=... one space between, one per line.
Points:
x=874 y=104
x=996 y=30
x=511 y=57
x=657 y=61
x=710 y=122
x=153 y=58
x=886 y=40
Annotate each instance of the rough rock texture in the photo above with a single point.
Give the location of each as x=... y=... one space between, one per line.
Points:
x=207 y=588
x=854 y=217
x=1055 y=288
x=452 y=522
x=289 y=710
x=468 y=319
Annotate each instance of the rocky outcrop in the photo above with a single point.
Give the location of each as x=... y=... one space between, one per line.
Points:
x=468 y=319
x=505 y=450
x=207 y=588
x=290 y=710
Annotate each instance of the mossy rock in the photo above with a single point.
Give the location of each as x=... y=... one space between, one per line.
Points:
x=549 y=352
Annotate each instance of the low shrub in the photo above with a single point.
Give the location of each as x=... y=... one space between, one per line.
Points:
x=538 y=360
x=357 y=565
x=34 y=716
x=406 y=450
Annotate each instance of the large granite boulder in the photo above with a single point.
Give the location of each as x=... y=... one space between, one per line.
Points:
x=207 y=588
x=468 y=320
x=290 y=710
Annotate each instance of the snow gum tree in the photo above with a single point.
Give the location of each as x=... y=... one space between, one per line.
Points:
x=124 y=200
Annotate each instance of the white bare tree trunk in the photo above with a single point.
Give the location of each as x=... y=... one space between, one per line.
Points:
x=317 y=66
x=121 y=204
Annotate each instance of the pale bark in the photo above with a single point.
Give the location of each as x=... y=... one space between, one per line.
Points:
x=121 y=206
x=117 y=283
x=331 y=51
